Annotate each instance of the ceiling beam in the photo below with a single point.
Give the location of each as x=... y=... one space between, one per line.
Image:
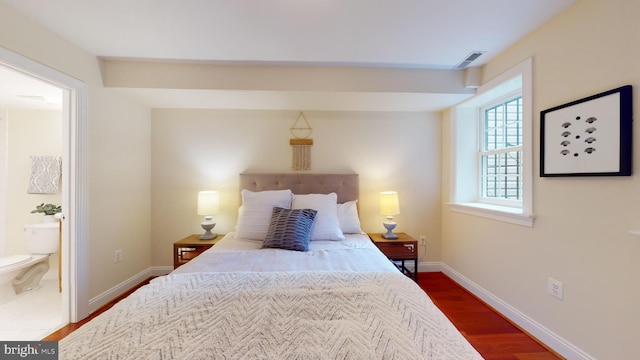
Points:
x=151 y=74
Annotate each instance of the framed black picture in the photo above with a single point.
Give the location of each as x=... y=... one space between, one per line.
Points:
x=588 y=137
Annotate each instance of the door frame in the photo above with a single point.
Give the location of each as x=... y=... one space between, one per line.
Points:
x=75 y=279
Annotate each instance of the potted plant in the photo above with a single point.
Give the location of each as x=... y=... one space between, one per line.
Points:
x=49 y=211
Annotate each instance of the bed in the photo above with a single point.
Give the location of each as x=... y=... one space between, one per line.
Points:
x=327 y=294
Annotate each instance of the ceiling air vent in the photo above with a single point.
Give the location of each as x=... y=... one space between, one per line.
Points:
x=464 y=63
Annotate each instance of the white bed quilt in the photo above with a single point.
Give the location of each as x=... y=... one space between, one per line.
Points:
x=272 y=315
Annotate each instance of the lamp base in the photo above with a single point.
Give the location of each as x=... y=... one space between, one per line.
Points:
x=208 y=235
x=389 y=235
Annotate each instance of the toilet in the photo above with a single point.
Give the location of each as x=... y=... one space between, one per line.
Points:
x=20 y=273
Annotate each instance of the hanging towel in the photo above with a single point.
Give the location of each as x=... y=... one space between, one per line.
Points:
x=45 y=174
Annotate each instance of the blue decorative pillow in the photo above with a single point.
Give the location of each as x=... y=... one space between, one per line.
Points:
x=290 y=229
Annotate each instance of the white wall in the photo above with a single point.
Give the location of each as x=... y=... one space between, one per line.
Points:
x=118 y=154
x=580 y=235
x=195 y=150
x=30 y=132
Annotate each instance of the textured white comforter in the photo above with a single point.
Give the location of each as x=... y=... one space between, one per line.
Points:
x=272 y=315
x=340 y=300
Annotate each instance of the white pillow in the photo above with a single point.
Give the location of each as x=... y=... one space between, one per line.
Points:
x=255 y=214
x=348 y=217
x=326 y=226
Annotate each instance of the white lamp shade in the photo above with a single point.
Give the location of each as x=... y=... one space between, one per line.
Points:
x=389 y=203
x=208 y=203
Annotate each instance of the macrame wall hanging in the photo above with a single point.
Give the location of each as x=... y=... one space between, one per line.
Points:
x=301 y=144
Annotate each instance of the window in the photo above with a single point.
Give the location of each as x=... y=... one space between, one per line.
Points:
x=491 y=172
x=500 y=153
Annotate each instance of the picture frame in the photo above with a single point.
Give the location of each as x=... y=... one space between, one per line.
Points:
x=588 y=137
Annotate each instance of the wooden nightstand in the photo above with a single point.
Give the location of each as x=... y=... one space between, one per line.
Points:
x=190 y=247
x=400 y=250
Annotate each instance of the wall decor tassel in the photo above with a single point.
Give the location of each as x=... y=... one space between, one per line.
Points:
x=301 y=153
x=301 y=145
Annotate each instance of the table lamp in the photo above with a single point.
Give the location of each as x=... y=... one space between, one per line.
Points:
x=389 y=206
x=208 y=206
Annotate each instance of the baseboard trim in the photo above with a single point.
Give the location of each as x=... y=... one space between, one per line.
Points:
x=104 y=298
x=160 y=270
x=544 y=335
x=429 y=266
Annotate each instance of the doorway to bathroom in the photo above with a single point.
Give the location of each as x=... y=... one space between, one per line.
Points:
x=73 y=189
x=31 y=122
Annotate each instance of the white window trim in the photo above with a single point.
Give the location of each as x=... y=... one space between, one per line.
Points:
x=466 y=202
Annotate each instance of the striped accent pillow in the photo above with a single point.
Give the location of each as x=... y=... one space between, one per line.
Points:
x=290 y=229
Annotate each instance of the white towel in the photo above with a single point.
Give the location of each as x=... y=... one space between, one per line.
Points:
x=45 y=174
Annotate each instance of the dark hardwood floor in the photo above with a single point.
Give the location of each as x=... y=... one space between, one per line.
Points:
x=493 y=336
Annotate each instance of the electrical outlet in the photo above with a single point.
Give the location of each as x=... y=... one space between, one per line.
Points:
x=117 y=256
x=423 y=240
x=555 y=288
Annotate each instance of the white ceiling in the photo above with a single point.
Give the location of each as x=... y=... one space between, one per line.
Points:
x=19 y=91
x=435 y=34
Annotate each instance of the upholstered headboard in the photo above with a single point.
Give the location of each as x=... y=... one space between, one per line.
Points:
x=346 y=186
